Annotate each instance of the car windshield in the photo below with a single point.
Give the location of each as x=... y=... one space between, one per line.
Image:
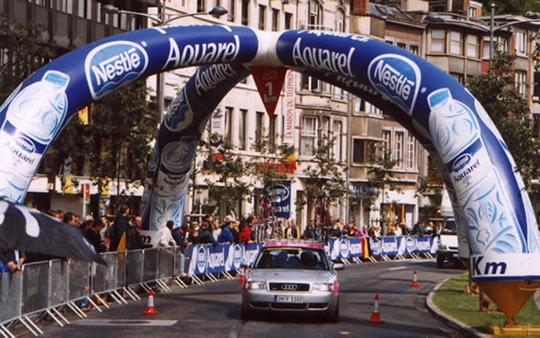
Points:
x=291 y=258
x=449 y=227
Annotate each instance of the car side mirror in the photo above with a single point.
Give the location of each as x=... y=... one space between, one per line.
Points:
x=339 y=266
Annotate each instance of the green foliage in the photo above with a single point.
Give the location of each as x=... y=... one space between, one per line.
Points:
x=510 y=114
x=24 y=53
x=326 y=177
x=227 y=183
x=518 y=7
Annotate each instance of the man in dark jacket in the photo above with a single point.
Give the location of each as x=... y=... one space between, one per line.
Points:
x=120 y=228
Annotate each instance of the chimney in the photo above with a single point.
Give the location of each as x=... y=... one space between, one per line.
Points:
x=360 y=7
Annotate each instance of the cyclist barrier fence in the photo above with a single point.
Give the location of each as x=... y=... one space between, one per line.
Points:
x=50 y=288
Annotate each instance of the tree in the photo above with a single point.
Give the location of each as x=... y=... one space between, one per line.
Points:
x=24 y=52
x=227 y=183
x=326 y=177
x=510 y=114
x=518 y=7
x=275 y=162
x=381 y=178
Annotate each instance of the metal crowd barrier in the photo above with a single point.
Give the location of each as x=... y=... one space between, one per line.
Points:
x=51 y=288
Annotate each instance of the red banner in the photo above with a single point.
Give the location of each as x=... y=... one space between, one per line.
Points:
x=269 y=82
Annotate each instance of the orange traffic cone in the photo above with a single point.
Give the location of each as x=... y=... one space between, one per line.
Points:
x=375 y=317
x=150 y=309
x=414 y=283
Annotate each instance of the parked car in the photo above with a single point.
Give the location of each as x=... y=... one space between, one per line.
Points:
x=447 y=249
x=292 y=277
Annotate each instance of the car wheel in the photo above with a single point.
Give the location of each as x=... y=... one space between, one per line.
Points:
x=333 y=315
x=440 y=262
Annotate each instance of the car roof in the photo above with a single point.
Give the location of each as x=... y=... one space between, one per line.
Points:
x=292 y=244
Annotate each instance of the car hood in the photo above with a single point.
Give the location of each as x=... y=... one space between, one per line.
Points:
x=288 y=275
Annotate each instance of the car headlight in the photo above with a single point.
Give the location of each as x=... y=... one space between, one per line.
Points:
x=255 y=285
x=323 y=287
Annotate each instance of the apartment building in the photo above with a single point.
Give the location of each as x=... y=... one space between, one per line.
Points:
x=319 y=108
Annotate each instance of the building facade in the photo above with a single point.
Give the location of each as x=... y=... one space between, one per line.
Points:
x=320 y=110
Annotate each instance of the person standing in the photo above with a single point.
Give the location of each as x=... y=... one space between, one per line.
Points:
x=120 y=228
x=164 y=238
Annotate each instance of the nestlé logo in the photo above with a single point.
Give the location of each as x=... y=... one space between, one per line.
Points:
x=112 y=64
x=397 y=77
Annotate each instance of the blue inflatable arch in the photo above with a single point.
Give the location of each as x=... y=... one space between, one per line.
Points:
x=489 y=197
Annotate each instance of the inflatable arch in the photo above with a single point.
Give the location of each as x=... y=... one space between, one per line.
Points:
x=495 y=215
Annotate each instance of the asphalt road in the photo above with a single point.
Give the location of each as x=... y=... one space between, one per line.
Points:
x=213 y=310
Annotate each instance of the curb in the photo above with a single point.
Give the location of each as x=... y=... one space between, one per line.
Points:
x=464 y=329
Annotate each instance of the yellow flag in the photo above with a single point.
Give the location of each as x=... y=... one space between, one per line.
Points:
x=68 y=184
x=83 y=115
x=122 y=243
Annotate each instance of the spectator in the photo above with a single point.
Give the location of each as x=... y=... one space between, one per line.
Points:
x=134 y=235
x=216 y=230
x=11 y=260
x=226 y=235
x=69 y=218
x=205 y=234
x=418 y=230
x=164 y=237
x=93 y=236
x=309 y=232
x=234 y=230
x=391 y=230
x=120 y=228
x=398 y=230
x=374 y=232
x=180 y=236
x=193 y=237
x=245 y=233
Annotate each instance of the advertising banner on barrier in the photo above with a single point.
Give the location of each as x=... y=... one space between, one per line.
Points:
x=198 y=260
x=250 y=252
x=235 y=255
x=344 y=248
x=216 y=257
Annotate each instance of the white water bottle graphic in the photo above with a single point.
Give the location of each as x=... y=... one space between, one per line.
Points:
x=32 y=120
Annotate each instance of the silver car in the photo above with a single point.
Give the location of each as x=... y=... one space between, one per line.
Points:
x=291 y=277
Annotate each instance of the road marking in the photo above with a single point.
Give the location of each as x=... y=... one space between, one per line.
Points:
x=398 y=268
x=124 y=322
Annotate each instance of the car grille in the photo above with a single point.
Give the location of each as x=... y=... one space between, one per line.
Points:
x=289 y=287
x=288 y=306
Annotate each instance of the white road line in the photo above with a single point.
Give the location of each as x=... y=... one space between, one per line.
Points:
x=398 y=268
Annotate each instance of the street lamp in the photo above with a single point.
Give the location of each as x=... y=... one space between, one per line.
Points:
x=435 y=18
x=161 y=18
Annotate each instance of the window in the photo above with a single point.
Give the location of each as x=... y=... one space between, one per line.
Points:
x=499 y=43
x=456 y=42
x=262 y=17
x=459 y=77
x=363 y=151
x=308 y=136
x=200 y=6
x=340 y=20
x=275 y=20
x=288 y=21
x=398 y=146
x=259 y=127
x=414 y=49
x=472 y=46
x=387 y=139
x=245 y=12
x=272 y=131
x=402 y=45
x=242 y=129
x=521 y=41
x=315 y=17
x=521 y=82
x=438 y=41
x=311 y=83
x=411 y=152
x=66 y=6
x=361 y=105
x=338 y=126
x=231 y=8
x=228 y=124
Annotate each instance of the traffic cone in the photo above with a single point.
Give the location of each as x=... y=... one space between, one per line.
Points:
x=414 y=283
x=375 y=317
x=150 y=309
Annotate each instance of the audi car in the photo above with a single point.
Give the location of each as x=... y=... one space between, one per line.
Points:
x=291 y=277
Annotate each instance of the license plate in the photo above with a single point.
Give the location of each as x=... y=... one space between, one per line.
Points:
x=289 y=299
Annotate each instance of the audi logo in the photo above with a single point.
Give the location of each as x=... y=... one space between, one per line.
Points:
x=289 y=287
